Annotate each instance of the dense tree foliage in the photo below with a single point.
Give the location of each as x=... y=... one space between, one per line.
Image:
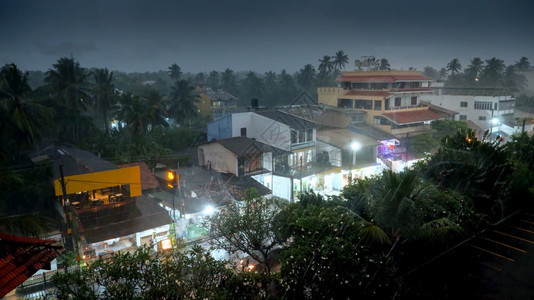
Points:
x=247 y=227
x=486 y=74
x=145 y=274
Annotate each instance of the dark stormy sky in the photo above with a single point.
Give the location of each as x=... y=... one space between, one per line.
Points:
x=205 y=35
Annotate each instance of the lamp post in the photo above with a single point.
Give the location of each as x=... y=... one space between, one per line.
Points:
x=494 y=121
x=354 y=146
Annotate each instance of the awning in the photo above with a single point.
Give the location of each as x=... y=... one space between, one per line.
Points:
x=412 y=116
x=100 y=180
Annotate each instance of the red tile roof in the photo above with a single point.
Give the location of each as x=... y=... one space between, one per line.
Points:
x=148 y=180
x=412 y=116
x=383 y=78
x=21 y=257
x=412 y=90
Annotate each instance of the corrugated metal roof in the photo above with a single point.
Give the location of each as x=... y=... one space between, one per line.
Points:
x=244 y=145
x=292 y=121
x=128 y=217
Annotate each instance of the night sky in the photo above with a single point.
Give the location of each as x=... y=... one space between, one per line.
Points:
x=205 y=35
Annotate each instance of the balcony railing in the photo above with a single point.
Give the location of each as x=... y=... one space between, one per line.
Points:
x=420 y=105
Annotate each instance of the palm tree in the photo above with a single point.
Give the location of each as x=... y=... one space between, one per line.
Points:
x=228 y=81
x=430 y=72
x=175 y=72
x=253 y=85
x=21 y=118
x=493 y=71
x=514 y=80
x=384 y=64
x=326 y=65
x=400 y=209
x=155 y=108
x=213 y=80
x=103 y=94
x=454 y=66
x=473 y=71
x=340 y=60
x=69 y=82
x=523 y=64
x=306 y=77
x=183 y=101
x=70 y=85
x=134 y=113
x=26 y=224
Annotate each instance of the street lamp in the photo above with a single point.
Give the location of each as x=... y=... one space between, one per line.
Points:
x=494 y=121
x=354 y=146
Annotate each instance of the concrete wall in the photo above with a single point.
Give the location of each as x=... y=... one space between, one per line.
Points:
x=150 y=232
x=282 y=187
x=453 y=102
x=262 y=129
x=220 y=158
x=221 y=128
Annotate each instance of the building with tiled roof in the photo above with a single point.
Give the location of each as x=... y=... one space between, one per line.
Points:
x=390 y=99
x=21 y=257
x=148 y=180
x=216 y=103
x=238 y=155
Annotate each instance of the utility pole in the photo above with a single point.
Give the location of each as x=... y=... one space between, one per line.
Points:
x=69 y=243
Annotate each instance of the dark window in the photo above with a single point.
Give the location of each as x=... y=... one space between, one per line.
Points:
x=244 y=131
x=379 y=86
x=463 y=117
x=302 y=136
x=414 y=100
x=293 y=137
x=397 y=101
x=363 y=104
x=309 y=135
x=495 y=106
x=378 y=105
x=386 y=104
x=482 y=118
x=463 y=104
x=483 y=105
x=345 y=103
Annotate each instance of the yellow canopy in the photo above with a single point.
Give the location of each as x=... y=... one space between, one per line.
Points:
x=100 y=180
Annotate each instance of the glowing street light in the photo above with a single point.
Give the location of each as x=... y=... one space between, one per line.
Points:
x=208 y=210
x=355 y=146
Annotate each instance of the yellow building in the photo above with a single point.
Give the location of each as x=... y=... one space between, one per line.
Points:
x=216 y=103
x=390 y=99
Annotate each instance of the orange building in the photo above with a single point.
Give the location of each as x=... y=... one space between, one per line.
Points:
x=390 y=99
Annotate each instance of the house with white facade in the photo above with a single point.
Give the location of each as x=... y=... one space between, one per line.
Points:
x=291 y=171
x=487 y=108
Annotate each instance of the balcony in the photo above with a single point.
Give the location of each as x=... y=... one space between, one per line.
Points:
x=323 y=161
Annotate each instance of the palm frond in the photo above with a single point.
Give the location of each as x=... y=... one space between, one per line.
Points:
x=439 y=229
x=372 y=233
x=27 y=225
